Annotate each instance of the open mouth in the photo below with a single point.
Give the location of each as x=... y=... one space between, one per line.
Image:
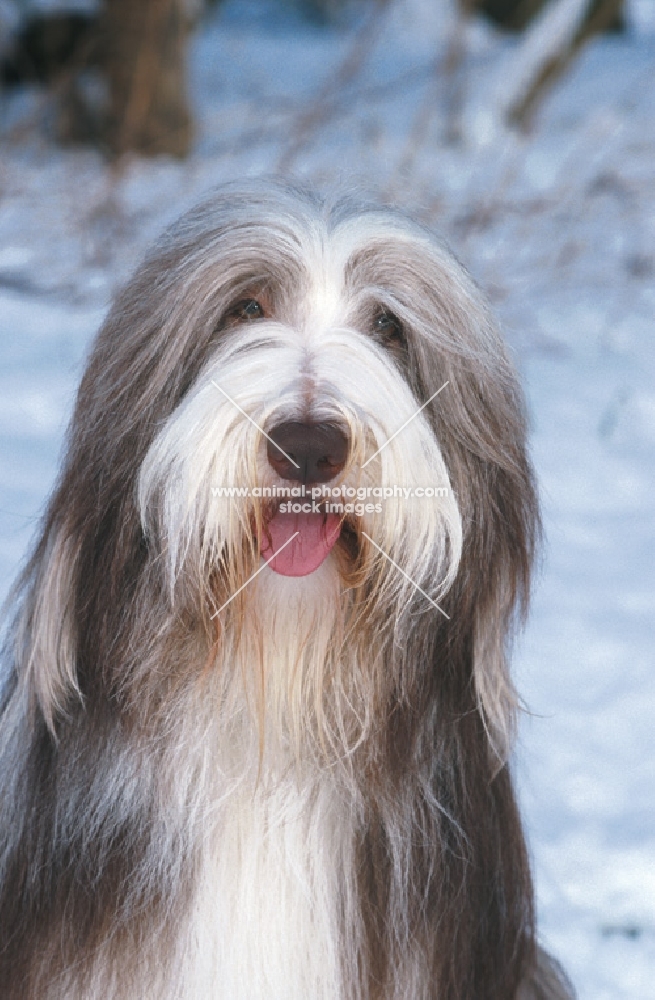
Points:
x=315 y=537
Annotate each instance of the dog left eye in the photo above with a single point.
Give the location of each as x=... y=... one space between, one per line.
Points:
x=389 y=327
x=248 y=309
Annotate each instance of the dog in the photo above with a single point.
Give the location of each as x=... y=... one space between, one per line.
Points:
x=257 y=716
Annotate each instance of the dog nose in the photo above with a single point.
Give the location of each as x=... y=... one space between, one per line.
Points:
x=318 y=452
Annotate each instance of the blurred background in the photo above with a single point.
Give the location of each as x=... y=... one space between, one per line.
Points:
x=524 y=132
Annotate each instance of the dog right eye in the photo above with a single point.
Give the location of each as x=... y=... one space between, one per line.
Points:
x=389 y=328
x=247 y=310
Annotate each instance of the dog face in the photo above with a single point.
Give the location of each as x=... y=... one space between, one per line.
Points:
x=311 y=359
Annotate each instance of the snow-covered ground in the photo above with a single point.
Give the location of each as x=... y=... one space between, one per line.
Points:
x=559 y=227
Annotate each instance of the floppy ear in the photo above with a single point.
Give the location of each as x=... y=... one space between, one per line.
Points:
x=45 y=643
x=72 y=602
x=496 y=490
x=480 y=423
x=499 y=552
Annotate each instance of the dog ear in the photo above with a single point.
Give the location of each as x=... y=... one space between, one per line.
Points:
x=45 y=642
x=484 y=431
x=504 y=554
x=88 y=539
x=480 y=422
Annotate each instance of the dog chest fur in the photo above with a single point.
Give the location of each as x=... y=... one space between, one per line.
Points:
x=266 y=919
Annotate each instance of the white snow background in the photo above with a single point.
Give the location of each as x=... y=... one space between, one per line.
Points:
x=558 y=226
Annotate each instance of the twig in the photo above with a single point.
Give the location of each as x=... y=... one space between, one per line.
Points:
x=521 y=112
x=327 y=100
x=444 y=67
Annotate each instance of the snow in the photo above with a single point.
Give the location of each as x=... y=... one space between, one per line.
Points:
x=559 y=228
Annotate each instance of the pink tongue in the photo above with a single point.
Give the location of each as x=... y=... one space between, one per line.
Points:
x=317 y=533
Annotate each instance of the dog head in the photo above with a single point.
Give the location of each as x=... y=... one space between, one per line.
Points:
x=273 y=345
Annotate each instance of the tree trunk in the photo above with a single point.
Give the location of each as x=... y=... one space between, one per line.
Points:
x=145 y=54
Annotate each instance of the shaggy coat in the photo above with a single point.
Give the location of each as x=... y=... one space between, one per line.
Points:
x=224 y=784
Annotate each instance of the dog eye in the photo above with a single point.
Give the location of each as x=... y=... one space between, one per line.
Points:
x=389 y=326
x=247 y=310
